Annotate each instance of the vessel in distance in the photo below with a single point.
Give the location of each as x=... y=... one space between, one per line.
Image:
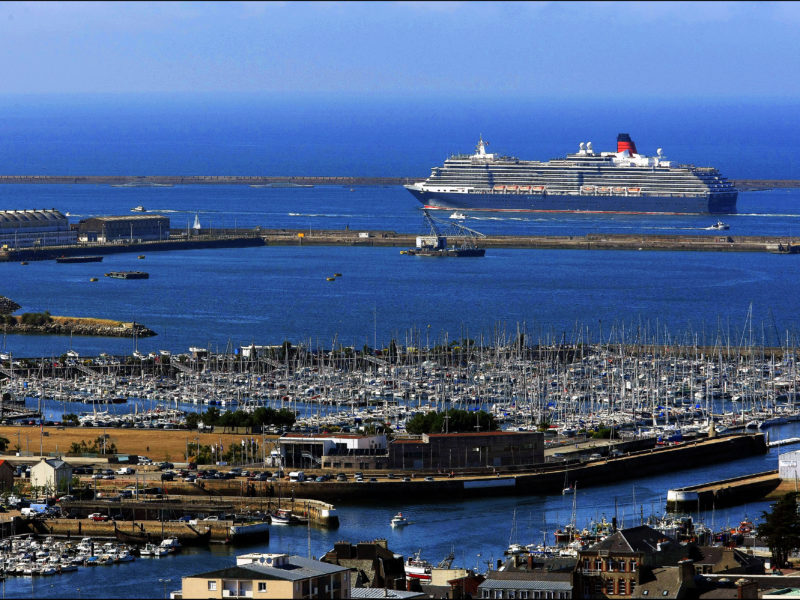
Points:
x=587 y=181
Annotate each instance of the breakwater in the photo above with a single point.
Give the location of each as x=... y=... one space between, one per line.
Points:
x=727 y=492
x=380 y=238
x=743 y=185
x=595 y=241
x=169 y=180
x=631 y=466
x=221 y=241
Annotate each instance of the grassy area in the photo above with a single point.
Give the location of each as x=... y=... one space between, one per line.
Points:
x=88 y=321
x=156 y=444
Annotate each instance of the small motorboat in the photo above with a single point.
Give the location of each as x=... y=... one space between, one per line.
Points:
x=458 y=215
x=399 y=520
x=139 y=208
x=718 y=226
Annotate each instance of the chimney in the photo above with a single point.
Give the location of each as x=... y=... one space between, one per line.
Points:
x=624 y=142
x=686 y=570
x=746 y=589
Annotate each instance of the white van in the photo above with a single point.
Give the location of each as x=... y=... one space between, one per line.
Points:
x=297 y=476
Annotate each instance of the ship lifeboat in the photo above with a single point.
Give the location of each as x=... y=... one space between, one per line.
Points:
x=603 y=190
x=589 y=189
x=525 y=188
x=634 y=190
x=499 y=188
x=619 y=190
x=538 y=189
x=512 y=188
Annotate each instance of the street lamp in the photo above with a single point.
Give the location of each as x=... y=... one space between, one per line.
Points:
x=165 y=581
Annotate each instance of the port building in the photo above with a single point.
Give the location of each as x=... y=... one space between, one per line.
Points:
x=467 y=450
x=333 y=451
x=343 y=451
x=125 y=228
x=53 y=474
x=33 y=228
x=259 y=575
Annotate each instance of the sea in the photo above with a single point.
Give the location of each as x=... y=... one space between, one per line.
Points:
x=223 y=299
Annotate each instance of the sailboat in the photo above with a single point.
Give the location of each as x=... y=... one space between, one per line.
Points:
x=514 y=548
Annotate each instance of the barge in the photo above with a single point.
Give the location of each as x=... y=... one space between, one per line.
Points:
x=128 y=275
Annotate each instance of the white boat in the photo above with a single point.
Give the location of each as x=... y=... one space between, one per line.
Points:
x=399 y=520
x=458 y=215
x=170 y=544
x=719 y=226
x=417 y=568
x=139 y=208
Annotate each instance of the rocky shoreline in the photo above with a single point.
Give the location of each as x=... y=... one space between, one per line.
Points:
x=46 y=324
x=83 y=326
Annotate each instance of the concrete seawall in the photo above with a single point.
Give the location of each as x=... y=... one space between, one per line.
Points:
x=295 y=237
x=727 y=492
x=694 y=243
x=630 y=466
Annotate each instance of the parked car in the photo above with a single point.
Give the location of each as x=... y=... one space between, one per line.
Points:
x=98 y=517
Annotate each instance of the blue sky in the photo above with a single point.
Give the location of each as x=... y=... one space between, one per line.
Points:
x=413 y=49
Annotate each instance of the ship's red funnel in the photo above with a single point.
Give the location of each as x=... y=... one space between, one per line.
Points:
x=624 y=142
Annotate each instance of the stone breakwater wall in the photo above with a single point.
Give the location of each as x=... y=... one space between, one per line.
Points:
x=742 y=185
x=715 y=242
x=80 y=326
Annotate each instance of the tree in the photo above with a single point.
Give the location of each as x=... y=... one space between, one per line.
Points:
x=781 y=528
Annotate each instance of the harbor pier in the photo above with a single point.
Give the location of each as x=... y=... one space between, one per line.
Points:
x=225 y=239
x=724 y=493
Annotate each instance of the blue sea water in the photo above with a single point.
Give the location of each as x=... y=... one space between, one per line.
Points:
x=265 y=295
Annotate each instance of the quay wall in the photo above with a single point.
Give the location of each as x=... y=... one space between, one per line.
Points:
x=379 y=238
x=53 y=252
x=630 y=466
x=78 y=528
x=724 y=493
x=695 y=243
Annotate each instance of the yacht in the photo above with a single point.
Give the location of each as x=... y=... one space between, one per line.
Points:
x=399 y=520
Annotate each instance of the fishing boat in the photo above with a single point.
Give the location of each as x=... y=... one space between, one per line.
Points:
x=139 y=208
x=718 y=226
x=399 y=520
x=284 y=516
x=418 y=568
x=458 y=215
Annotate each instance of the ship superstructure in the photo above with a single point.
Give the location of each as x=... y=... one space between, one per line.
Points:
x=587 y=181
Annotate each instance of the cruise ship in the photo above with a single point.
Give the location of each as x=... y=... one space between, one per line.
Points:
x=587 y=181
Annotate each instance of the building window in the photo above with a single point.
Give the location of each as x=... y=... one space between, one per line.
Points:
x=212 y=586
x=262 y=586
x=609 y=586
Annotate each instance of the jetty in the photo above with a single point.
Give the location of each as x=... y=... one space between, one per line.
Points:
x=726 y=492
x=230 y=239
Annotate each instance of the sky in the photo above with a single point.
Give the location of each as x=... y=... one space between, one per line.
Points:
x=412 y=49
